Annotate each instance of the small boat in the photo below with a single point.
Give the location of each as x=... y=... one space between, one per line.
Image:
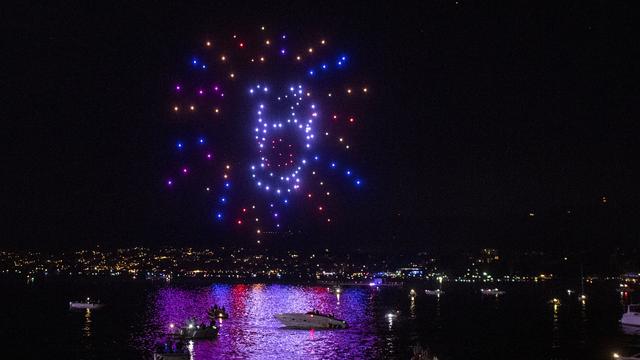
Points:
x=630 y=357
x=554 y=301
x=335 y=290
x=192 y=331
x=421 y=354
x=87 y=304
x=217 y=313
x=168 y=351
x=412 y=293
x=392 y=314
x=624 y=288
x=436 y=292
x=632 y=316
x=310 y=320
x=494 y=292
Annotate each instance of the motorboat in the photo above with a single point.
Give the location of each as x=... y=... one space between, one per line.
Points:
x=632 y=316
x=494 y=292
x=630 y=357
x=310 y=320
x=168 y=351
x=554 y=301
x=436 y=292
x=192 y=331
x=421 y=354
x=217 y=313
x=87 y=304
x=624 y=288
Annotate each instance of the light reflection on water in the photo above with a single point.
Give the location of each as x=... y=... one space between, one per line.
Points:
x=252 y=332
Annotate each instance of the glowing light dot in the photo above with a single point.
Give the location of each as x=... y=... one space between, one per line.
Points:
x=223 y=58
x=322 y=42
x=258 y=231
x=184 y=170
x=298 y=58
x=208 y=43
x=329 y=220
x=216 y=110
x=351 y=119
x=364 y=89
x=192 y=107
x=227 y=167
x=310 y=50
x=239 y=222
x=169 y=182
x=262 y=28
x=348 y=91
x=241 y=45
x=267 y=42
x=232 y=75
x=262 y=59
x=175 y=108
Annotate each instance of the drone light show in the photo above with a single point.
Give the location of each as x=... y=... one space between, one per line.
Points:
x=264 y=127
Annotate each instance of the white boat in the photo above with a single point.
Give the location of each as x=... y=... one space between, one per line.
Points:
x=311 y=320
x=495 y=292
x=436 y=292
x=87 y=304
x=632 y=316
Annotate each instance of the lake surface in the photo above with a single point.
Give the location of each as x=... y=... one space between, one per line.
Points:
x=461 y=324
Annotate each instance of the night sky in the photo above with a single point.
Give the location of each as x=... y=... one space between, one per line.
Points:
x=479 y=115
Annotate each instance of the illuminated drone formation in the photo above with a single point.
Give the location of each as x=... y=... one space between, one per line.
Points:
x=264 y=125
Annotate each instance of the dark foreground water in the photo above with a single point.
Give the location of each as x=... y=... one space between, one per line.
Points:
x=37 y=323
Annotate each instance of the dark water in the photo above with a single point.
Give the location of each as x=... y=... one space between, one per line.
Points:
x=461 y=324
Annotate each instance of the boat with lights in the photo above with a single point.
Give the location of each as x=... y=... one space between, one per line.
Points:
x=87 y=304
x=631 y=316
x=217 y=313
x=494 y=292
x=630 y=357
x=193 y=331
x=311 y=320
x=436 y=292
x=171 y=351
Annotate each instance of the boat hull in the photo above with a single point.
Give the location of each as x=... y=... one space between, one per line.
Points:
x=630 y=319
